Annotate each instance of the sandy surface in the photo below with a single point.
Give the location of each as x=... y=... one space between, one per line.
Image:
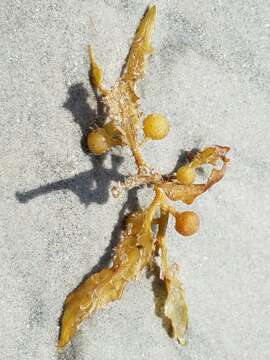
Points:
x=210 y=76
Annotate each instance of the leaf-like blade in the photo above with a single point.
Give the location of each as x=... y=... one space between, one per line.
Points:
x=140 y=47
x=131 y=255
x=175 y=308
x=188 y=193
x=121 y=101
x=96 y=74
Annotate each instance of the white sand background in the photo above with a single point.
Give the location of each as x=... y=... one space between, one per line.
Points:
x=210 y=75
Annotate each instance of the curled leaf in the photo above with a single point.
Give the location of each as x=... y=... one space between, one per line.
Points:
x=188 y=193
x=131 y=255
x=209 y=155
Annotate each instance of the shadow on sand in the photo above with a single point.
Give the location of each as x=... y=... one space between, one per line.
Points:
x=93 y=186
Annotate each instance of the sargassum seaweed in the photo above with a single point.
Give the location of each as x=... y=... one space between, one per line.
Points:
x=139 y=246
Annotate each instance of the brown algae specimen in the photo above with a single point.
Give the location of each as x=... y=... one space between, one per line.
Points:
x=139 y=246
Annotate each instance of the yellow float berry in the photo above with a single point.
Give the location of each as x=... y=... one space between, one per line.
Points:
x=97 y=142
x=185 y=175
x=187 y=223
x=155 y=126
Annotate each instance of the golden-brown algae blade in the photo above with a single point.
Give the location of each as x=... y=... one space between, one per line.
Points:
x=175 y=307
x=121 y=100
x=96 y=74
x=131 y=255
x=140 y=47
